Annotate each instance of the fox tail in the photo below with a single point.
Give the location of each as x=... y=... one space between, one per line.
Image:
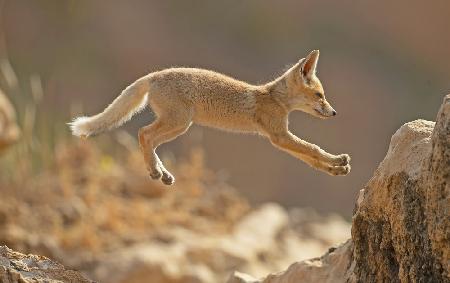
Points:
x=132 y=100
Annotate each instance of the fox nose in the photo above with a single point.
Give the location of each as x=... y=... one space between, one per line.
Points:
x=334 y=112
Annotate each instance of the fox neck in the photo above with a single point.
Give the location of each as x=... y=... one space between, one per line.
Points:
x=278 y=89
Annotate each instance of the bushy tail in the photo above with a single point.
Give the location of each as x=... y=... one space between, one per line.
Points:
x=129 y=102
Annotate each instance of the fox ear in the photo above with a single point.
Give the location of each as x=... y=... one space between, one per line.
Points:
x=309 y=64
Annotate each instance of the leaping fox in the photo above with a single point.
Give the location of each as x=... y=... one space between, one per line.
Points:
x=180 y=97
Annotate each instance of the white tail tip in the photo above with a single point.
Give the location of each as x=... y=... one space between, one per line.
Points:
x=80 y=127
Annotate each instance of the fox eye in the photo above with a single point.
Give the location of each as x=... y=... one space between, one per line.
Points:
x=319 y=95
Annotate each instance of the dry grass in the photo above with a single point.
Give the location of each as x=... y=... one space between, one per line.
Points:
x=41 y=131
x=93 y=202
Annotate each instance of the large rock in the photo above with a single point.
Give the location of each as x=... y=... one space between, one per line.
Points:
x=401 y=226
x=401 y=223
x=19 y=268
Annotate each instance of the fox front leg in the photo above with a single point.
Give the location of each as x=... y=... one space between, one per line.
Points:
x=312 y=154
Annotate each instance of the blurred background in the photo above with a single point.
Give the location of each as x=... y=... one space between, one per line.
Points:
x=382 y=63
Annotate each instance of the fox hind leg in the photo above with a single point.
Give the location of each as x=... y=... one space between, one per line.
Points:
x=150 y=157
x=167 y=178
x=157 y=133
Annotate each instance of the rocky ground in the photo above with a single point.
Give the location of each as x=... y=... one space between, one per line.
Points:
x=17 y=267
x=401 y=223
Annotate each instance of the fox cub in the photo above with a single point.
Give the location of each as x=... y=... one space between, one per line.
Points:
x=182 y=96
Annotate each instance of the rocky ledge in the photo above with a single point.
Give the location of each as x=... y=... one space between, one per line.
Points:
x=401 y=221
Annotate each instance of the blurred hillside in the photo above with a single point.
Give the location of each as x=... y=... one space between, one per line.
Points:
x=101 y=215
x=380 y=62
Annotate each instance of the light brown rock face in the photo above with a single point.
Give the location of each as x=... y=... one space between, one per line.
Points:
x=9 y=131
x=19 y=268
x=401 y=226
x=401 y=223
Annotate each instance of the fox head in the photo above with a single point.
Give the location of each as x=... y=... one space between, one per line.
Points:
x=304 y=90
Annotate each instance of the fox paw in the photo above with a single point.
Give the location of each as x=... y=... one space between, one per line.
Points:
x=339 y=170
x=342 y=160
x=159 y=172
x=167 y=178
x=155 y=173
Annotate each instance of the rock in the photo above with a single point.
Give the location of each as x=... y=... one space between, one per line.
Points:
x=436 y=190
x=333 y=267
x=401 y=223
x=9 y=131
x=20 y=268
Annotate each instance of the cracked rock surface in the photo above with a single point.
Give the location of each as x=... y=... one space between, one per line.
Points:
x=20 y=268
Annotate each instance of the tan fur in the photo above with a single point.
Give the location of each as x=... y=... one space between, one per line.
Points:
x=182 y=96
x=9 y=131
